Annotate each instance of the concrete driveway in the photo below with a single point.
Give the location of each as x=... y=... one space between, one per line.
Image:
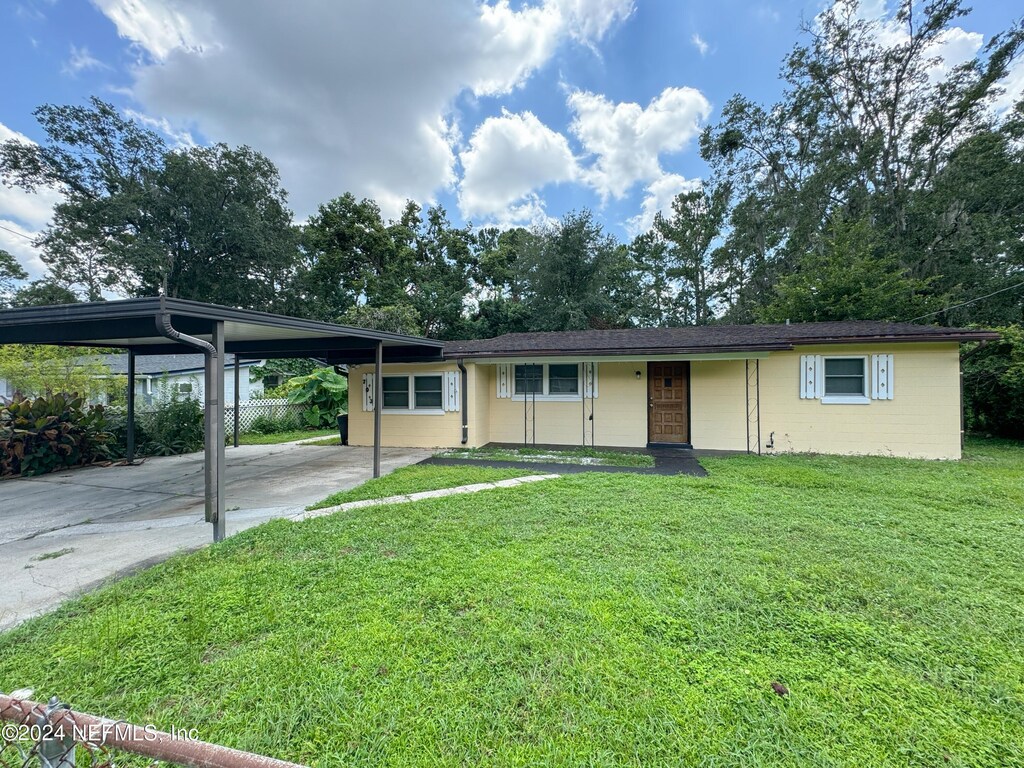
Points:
x=66 y=533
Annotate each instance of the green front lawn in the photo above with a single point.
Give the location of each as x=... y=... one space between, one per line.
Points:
x=596 y=619
x=251 y=438
x=589 y=456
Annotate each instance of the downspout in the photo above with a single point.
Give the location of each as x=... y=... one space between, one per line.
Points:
x=164 y=327
x=465 y=401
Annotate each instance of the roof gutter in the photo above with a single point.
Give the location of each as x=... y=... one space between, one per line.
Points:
x=618 y=351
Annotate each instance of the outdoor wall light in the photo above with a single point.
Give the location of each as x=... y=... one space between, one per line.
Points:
x=638 y=375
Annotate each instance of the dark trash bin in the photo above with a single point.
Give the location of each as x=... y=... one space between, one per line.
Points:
x=343 y=427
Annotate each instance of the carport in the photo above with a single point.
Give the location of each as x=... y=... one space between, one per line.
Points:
x=160 y=326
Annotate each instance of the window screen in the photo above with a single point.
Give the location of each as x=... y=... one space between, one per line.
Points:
x=844 y=376
x=396 y=391
x=563 y=379
x=428 y=391
x=529 y=379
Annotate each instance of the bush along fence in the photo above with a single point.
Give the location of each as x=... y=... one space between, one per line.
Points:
x=52 y=735
x=58 y=431
x=262 y=416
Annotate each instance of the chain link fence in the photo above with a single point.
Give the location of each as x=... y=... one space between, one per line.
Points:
x=52 y=735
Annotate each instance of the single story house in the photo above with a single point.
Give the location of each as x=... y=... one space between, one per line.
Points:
x=833 y=387
x=158 y=377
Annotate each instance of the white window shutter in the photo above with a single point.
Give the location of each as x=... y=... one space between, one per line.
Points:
x=808 y=377
x=819 y=377
x=882 y=377
x=368 y=391
x=590 y=379
x=504 y=379
x=451 y=391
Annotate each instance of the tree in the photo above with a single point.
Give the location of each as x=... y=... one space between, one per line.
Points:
x=444 y=261
x=994 y=385
x=850 y=278
x=41 y=293
x=220 y=229
x=102 y=163
x=401 y=318
x=33 y=371
x=568 y=276
x=205 y=223
x=696 y=223
x=10 y=272
x=868 y=124
x=348 y=255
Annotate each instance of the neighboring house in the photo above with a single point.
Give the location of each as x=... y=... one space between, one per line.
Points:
x=157 y=377
x=837 y=387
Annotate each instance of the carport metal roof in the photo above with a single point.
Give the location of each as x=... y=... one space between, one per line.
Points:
x=135 y=324
x=160 y=325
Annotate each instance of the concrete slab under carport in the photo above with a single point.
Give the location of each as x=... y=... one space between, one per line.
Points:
x=118 y=519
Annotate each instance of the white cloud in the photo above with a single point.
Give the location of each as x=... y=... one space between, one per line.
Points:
x=182 y=138
x=590 y=20
x=700 y=44
x=627 y=140
x=658 y=198
x=508 y=158
x=1013 y=88
x=15 y=239
x=80 y=59
x=159 y=27
x=344 y=98
x=26 y=213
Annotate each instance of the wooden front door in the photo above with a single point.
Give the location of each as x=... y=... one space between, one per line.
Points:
x=668 y=402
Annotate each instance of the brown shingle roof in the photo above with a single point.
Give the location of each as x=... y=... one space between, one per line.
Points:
x=706 y=338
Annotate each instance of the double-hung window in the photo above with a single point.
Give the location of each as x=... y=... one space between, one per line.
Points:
x=412 y=393
x=556 y=381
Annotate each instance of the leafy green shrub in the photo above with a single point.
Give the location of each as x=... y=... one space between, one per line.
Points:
x=117 y=424
x=994 y=385
x=176 y=426
x=270 y=425
x=50 y=433
x=324 y=394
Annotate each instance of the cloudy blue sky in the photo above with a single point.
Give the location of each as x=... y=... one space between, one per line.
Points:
x=506 y=112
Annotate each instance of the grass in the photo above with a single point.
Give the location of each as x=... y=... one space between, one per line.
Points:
x=54 y=554
x=251 y=438
x=560 y=456
x=598 y=619
x=326 y=441
x=419 y=477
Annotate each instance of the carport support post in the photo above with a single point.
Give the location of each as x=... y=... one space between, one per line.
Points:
x=378 y=405
x=129 y=453
x=237 y=398
x=214 y=420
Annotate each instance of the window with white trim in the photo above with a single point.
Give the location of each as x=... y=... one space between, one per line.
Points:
x=412 y=393
x=554 y=381
x=846 y=380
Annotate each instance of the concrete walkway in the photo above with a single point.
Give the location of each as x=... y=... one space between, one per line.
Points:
x=65 y=533
x=421 y=495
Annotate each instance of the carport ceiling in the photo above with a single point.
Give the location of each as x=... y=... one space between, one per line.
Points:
x=134 y=324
